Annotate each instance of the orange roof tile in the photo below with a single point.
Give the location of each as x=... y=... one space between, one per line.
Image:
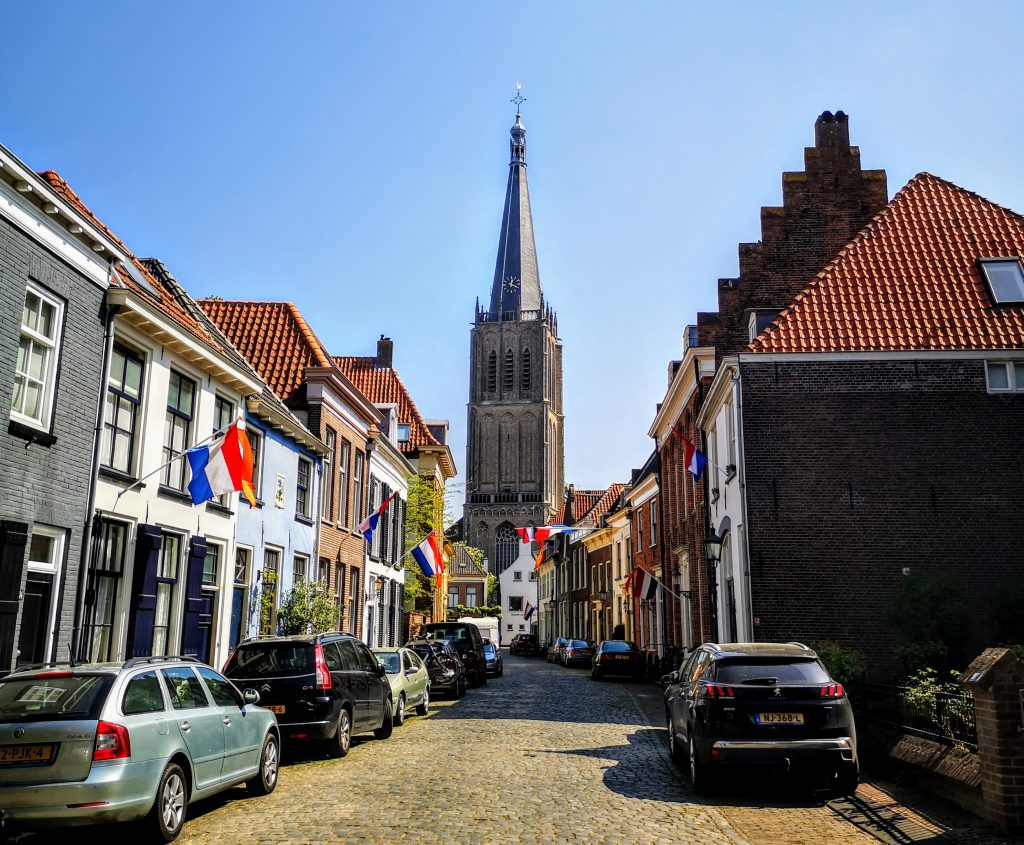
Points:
x=274 y=338
x=606 y=502
x=382 y=386
x=909 y=280
x=165 y=301
x=583 y=502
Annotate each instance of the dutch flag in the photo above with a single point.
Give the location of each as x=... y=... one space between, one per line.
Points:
x=223 y=466
x=428 y=555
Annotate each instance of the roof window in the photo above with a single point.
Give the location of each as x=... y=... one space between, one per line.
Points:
x=1005 y=280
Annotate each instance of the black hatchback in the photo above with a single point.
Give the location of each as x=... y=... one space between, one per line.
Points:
x=323 y=688
x=769 y=707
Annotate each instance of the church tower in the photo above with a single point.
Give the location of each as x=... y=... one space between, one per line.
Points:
x=514 y=448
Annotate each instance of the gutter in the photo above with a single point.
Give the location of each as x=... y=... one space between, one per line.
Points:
x=741 y=470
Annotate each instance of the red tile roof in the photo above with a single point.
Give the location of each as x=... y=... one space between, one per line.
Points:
x=165 y=301
x=274 y=338
x=910 y=280
x=382 y=386
x=583 y=502
x=606 y=502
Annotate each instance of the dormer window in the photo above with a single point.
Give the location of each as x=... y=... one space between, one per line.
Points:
x=403 y=432
x=1005 y=280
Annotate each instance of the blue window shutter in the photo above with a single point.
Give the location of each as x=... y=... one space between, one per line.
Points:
x=142 y=613
x=195 y=638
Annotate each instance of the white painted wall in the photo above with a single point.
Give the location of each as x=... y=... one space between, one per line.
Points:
x=525 y=587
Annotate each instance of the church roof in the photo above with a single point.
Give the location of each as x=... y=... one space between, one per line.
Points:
x=516 y=285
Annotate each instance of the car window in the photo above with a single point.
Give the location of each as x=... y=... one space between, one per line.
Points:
x=270 y=660
x=767 y=672
x=349 y=658
x=185 y=688
x=224 y=694
x=697 y=669
x=38 y=698
x=332 y=657
x=390 y=660
x=366 y=661
x=407 y=661
x=143 y=695
x=618 y=645
x=577 y=644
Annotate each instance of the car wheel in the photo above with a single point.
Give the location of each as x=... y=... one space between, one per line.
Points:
x=270 y=763
x=384 y=731
x=501 y=671
x=595 y=674
x=483 y=679
x=424 y=706
x=342 y=740
x=846 y=781
x=400 y=711
x=698 y=771
x=167 y=817
x=675 y=748
x=461 y=687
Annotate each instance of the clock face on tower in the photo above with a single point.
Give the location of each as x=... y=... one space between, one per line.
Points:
x=511 y=284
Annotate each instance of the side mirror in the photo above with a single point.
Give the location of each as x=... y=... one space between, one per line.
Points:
x=250 y=696
x=381 y=671
x=669 y=679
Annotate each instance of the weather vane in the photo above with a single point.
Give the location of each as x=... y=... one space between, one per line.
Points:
x=518 y=99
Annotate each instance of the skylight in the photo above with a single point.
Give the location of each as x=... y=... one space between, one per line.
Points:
x=1005 y=279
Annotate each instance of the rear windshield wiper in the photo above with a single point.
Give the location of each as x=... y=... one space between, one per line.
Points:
x=760 y=682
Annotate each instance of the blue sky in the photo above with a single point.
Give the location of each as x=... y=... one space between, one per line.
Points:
x=341 y=154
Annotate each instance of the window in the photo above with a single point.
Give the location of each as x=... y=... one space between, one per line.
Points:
x=492 y=372
x=124 y=395
x=453 y=596
x=533 y=574
x=211 y=563
x=223 y=417
x=38 y=598
x=506 y=548
x=525 y=373
x=302 y=487
x=143 y=695
x=639 y=528
x=177 y=425
x=515 y=603
x=1004 y=278
x=357 y=489
x=1005 y=376
x=654 y=522
x=323 y=574
x=517 y=576
x=255 y=443
x=470 y=596
x=327 y=481
x=35 y=373
x=185 y=688
x=508 y=372
x=403 y=432
x=221 y=689
x=166 y=584
x=343 y=483
x=300 y=569
x=240 y=597
x=107 y=571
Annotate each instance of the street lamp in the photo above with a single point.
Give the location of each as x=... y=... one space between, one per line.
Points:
x=713 y=551
x=713 y=548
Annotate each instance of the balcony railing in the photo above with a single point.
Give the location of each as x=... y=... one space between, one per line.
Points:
x=507 y=316
x=504 y=498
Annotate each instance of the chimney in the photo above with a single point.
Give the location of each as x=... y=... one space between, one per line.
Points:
x=385 y=353
x=832 y=130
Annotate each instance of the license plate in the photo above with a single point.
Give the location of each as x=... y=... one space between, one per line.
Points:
x=780 y=718
x=276 y=708
x=26 y=753
x=622 y=657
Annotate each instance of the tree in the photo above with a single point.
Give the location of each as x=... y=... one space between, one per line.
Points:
x=309 y=609
x=424 y=512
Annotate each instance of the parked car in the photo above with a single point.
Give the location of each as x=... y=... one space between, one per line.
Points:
x=619 y=658
x=495 y=662
x=113 y=742
x=748 y=705
x=468 y=642
x=525 y=645
x=577 y=652
x=447 y=674
x=556 y=649
x=409 y=679
x=322 y=687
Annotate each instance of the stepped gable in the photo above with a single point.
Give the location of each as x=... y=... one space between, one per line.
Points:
x=910 y=280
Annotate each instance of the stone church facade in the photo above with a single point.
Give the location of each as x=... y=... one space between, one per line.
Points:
x=514 y=452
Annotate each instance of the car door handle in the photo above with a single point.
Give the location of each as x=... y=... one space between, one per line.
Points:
x=227 y=720
x=185 y=726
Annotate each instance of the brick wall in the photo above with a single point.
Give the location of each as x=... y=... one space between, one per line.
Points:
x=856 y=470
x=49 y=485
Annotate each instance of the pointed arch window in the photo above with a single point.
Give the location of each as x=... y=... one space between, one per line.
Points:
x=509 y=372
x=492 y=372
x=506 y=547
x=525 y=372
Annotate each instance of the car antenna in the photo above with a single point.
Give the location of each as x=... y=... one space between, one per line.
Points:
x=71 y=657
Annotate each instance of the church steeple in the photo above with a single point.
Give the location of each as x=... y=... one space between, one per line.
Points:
x=516 y=285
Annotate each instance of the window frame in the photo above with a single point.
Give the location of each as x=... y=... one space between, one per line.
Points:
x=1014 y=384
x=344 y=460
x=110 y=427
x=983 y=265
x=49 y=381
x=358 y=468
x=652 y=510
x=52 y=568
x=303 y=499
x=168 y=454
x=255 y=436
x=172 y=584
x=328 y=479
x=299 y=572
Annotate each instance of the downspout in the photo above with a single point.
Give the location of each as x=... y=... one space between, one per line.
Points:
x=741 y=469
x=94 y=467
x=661 y=554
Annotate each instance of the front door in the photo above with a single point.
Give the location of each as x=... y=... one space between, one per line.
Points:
x=35 y=618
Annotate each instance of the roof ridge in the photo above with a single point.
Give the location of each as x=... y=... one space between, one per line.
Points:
x=319 y=350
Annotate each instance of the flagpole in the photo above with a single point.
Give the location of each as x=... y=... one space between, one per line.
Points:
x=657 y=580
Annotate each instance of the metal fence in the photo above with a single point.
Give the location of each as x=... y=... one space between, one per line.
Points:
x=946 y=717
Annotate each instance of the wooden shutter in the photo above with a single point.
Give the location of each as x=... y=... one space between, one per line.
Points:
x=142 y=613
x=195 y=638
x=13 y=539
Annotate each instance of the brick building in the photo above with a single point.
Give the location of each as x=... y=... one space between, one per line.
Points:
x=880 y=419
x=467 y=580
x=647 y=612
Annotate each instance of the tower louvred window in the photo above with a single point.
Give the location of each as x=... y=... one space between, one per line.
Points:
x=508 y=374
x=526 y=369
x=492 y=371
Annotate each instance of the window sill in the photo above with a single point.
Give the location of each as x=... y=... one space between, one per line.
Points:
x=259 y=503
x=31 y=434
x=171 y=493
x=120 y=477
x=217 y=507
x=305 y=520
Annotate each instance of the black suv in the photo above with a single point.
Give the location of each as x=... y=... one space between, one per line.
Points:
x=447 y=674
x=322 y=687
x=769 y=705
x=525 y=645
x=468 y=642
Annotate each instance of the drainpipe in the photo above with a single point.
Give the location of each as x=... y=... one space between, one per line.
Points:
x=742 y=480
x=94 y=467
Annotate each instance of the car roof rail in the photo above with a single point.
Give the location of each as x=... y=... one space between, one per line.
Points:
x=335 y=634
x=28 y=667
x=260 y=637
x=132 y=662
x=800 y=645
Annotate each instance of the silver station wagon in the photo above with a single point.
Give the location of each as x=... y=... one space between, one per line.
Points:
x=112 y=742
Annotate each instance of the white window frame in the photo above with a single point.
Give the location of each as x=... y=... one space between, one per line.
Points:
x=652 y=510
x=1015 y=385
x=52 y=568
x=53 y=358
x=984 y=264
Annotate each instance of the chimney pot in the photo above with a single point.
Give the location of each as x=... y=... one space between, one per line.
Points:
x=832 y=130
x=385 y=353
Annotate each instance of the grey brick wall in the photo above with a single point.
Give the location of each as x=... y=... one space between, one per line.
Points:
x=43 y=484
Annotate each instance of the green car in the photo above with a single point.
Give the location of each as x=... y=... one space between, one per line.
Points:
x=410 y=683
x=111 y=742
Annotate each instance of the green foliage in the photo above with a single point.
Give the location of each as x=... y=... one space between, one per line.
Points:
x=482 y=610
x=845 y=665
x=309 y=609
x=923 y=692
x=266 y=601
x=493 y=590
x=929 y=620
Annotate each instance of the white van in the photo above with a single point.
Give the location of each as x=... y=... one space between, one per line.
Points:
x=488 y=625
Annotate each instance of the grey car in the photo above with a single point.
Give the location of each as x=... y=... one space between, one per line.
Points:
x=117 y=742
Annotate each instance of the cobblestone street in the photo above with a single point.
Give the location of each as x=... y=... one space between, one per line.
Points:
x=541 y=755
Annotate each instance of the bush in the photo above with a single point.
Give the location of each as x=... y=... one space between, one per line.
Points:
x=309 y=609
x=923 y=691
x=929 y=621
x=845 y=665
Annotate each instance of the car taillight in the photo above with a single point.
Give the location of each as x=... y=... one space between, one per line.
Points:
x=833 y=691
x=111 y=742
x=719 y=691
x=605 y=658
x=323 y=676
